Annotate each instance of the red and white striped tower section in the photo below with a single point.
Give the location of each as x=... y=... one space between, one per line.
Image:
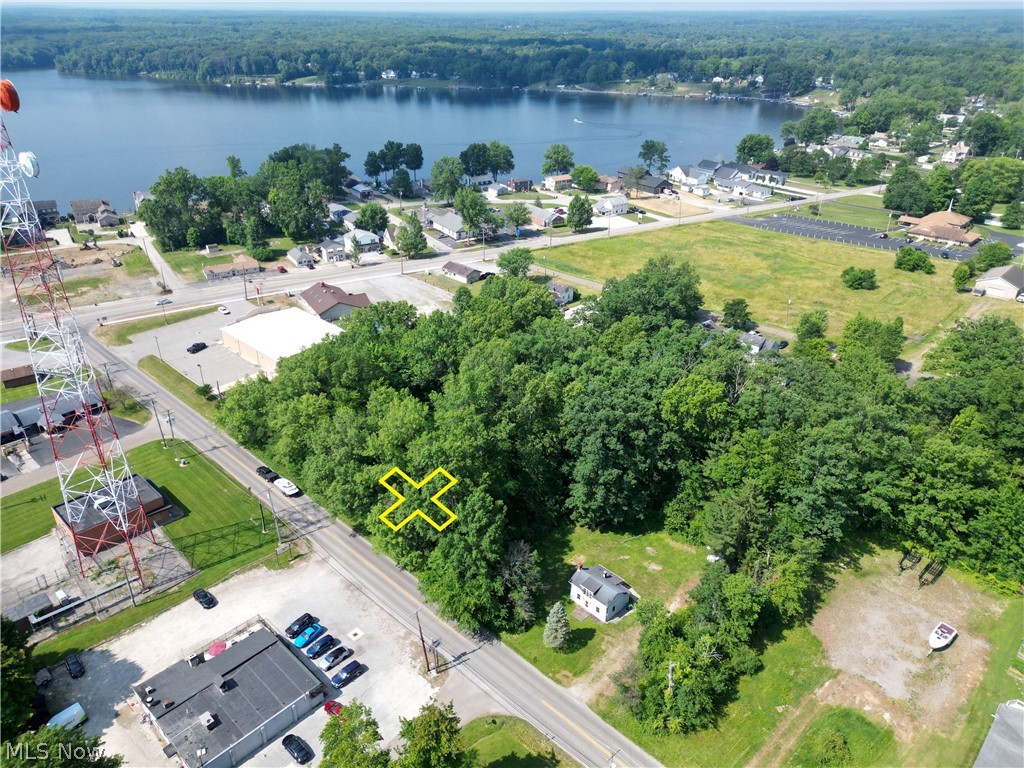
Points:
x=91 y=466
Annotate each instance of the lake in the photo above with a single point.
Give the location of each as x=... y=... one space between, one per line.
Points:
x=106 y=138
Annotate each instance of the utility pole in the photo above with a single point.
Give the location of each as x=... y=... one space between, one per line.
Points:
x=129 y=583
x=789 y=303
x=170 y=423
x=202 y=380
x=273 y=514
x=158 y=352
x=426 y=659
x=263 y=520
x=163 y=440
x=106 y=370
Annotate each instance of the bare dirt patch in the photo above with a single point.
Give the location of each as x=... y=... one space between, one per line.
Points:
x=682 y=595
x=670 y=207
x=615 y=657
x=875 y=627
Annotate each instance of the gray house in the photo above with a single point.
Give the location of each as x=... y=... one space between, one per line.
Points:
x=600 y=592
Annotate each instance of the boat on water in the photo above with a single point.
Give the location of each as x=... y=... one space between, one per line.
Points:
x=941 y=636
x=577 y=120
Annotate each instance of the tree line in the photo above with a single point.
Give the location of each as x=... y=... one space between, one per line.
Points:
x=636 y=418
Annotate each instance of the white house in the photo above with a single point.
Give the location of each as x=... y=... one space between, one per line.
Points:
x=388 y=74
x=461 y=272
x=337 y=212
x=450 y=223
x=561 y=293
x=956 y=153
x=689 y=175
x=479 y=181
x=615 y=205
x=332 y=249
x=300 y=257
x=600 y=592
x=1005 y=283
x=557 y=183
x=360 y=241
x=495 y=189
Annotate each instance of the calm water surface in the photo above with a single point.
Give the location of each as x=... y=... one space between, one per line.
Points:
x=106 y=138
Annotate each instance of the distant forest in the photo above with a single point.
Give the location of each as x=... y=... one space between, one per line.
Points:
x=933 y=57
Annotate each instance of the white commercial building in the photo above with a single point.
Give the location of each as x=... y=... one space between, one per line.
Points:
x=266 y=338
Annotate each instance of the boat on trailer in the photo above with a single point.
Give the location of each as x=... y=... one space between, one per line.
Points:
x=941 y=636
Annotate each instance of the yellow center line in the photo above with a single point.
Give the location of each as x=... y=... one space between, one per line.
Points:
x=578 y=730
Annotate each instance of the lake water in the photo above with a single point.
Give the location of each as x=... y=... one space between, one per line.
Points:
x=106 y=138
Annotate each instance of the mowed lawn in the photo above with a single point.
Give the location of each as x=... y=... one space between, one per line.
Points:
x=657 y=567
x=508 y=742
x=769 y=269
x=864 y=210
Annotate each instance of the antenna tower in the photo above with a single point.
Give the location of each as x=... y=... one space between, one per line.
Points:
x=101 y=502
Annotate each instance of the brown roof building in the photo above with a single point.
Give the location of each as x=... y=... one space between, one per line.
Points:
x=942 y=225
x=17 y=377
x=329 y=302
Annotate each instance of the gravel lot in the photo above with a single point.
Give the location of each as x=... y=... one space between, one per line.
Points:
x=392 y=685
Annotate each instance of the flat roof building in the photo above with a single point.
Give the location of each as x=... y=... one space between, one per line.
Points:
x=94 y=530
x=216 y=710
x=266 y=338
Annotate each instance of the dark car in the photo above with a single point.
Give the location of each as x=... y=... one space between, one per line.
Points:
x=204 y=598
x=267 y=474
x=321 y=646
x=299 y=625
x=199 y=346
x=945 y=254
x=297 y=748
x=783 y=344
x=884 y=236
x=74 y=664
x=335 y=656
x=310 y=266
x=347 y=674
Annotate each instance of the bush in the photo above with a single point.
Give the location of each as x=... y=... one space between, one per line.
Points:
x=910 y=260
x=859 y=279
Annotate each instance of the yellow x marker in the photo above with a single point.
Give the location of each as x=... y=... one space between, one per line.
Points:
x=401 y=499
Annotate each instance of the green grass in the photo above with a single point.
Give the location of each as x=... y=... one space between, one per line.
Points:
x=119 y=334
x=189 y=263
x=793 y=668
x=78 y=287
x=769 y=268
x=528 y=196
x=862 y=210
x=136 y=264
x=182 y=388
x=10 y=395
x=507 y=742
x=124 y=406
x=220 y=534
x=280 y=246
x=869 y=744
x=27 y=514
x=661 y=574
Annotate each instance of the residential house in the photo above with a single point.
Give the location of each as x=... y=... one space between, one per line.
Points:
x=362 y=191
x=332 y=249
x=701 y=190
x=726 y=176
x=450 y=223
x=479 y=181
x=1001 y=283
x=607 y=183
x=955 y=153
x=138 y=198
x=624 y=171
x=495 y=189
x=1004 y=744
x=758 y=343
x=360 y=241
x=544 y=217
x=47 y=213
x=329 y=302
x=561 y=293
x=655 y=185
x=349 y=220
x=600 y=592
x=855 y=154
x=520 y=184
x=337 y=212
x=771 y=178
x=557 y=183
x=611 y=206
x=944 y=117
x=388 y=74
x=461 y=272
x=94 y=211
x=240 y=265
x=945 y=226
x=689 y=175
x=300 y=256
x=880 y=140
x=390 y=237
x=752 y=191
x=709 y=166
x=744 y=171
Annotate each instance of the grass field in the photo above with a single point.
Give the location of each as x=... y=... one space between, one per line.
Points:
x=136 y=264
x=793 y=668
x=868 y=743
x=863 y=210
x=508 y=742
x=219 y=534
x=17 y=393
x=769 y=268
x=183 y=388
x=189 y=263
x=120 y=334
x=657 y=566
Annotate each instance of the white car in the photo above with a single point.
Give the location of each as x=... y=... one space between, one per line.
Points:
x=287 y=487
x=162 y=302
x=223 y=310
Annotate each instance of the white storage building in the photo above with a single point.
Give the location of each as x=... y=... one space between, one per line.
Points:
x=266 y=338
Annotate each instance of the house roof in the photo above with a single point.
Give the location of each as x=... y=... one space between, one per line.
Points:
x=1012 y=274
x=558 y=288
x=604 y=585
x=330 y=243
x=92 y=205
x=239 y=262
x=322 y=297
x=1004 y=744
x=262 y=676
x=91 y=516
x=45 y=205
x=449 y=220
x=460 y=269
x=654 y=182
x=362 y=236
x=560 y=177
x=708 y=165
x=757 y=342
x=280 y=333
x=725 y=174
x=544 y=214
x=17 y=372
x=746 y=170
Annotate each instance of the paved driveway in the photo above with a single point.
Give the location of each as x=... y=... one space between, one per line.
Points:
x=851 y=234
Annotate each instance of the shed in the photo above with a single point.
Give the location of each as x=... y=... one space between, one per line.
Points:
x=1005 y=283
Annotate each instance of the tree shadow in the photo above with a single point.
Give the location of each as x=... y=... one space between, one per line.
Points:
x=217 y=545
x=579 y=639
x=517 y=761
x=555 y=572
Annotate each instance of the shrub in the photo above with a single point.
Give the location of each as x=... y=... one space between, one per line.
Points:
x=910 y=260
x=857 y=279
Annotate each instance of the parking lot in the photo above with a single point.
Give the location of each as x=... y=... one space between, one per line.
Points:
x=392 y=686
x=851 y=234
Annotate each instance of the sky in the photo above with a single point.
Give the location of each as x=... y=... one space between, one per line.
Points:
x=561 y=6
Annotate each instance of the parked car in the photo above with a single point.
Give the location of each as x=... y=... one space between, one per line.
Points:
x=335 y=656
x=347 y=674
x=334 y=708
x=321 y=646
x=75 y=666
x=297 y=748
x=286 y=486
x=310 y=266
x=199 y=346
x=162 y=302
x=883 y=236
x=299 y=625
x=944 y=254
x=783 y=344
x=204 y=598
x=308 y=635
x=223 y=310
x=280 y=268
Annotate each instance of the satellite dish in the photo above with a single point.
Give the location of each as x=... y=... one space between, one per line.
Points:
x=29 y=164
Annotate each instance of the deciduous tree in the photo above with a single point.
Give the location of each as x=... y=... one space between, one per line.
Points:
x=755 y=148
x=432 y=739
x=736 y=314
x=410 y=237
x=372 y=217
x=352 y=739
x=372 y=166
x=912 y=260
x=581 y=213
x=516 y=214
x=446 y=178
x=858 y=279
x=475 y=159
x=654 y=154
x=17 y=691
x=516 y=262
x=557 y=159
x=499 y=159
x=585 y=177
x=471 y=207
x=412 y=158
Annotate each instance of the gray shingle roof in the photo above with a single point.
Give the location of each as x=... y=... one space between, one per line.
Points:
x=1004 y=745
x=599 y=582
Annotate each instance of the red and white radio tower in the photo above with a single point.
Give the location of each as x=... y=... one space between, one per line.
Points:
x=101 y=502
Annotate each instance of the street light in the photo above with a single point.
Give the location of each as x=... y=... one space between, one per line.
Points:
x=158 y=352
x=202 y=381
